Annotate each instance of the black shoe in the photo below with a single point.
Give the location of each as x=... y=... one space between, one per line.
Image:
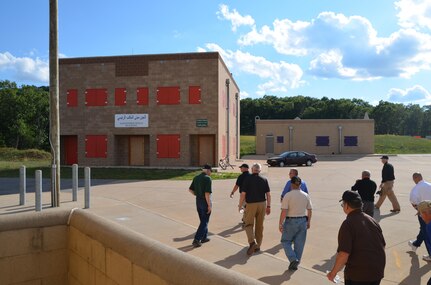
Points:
x=294 y=265
x=379 y=192
x=395 y=211
x=205 y=240
x=196 y=243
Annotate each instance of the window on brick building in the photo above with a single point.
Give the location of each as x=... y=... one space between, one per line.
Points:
x=96 y=146
x=72 y=97
x=142 y=96
x=120 y=96
x=322 y=141
x=194 y=94
x=96 y=97
x=350 y=141
x=168 y=146
x=168 y=95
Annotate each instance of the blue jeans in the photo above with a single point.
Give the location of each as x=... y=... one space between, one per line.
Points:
x=294 y=234
x=202 y=208
x=422 y=236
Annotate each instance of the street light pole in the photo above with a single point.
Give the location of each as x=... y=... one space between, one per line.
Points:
x=54 y=132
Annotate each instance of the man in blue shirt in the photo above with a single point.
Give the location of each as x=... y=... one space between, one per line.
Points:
x=292 y=173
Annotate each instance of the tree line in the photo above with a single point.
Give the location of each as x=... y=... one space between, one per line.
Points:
x=24 y=114
x=389 y=118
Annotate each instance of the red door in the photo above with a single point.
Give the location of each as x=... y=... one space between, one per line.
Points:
x=71 y=150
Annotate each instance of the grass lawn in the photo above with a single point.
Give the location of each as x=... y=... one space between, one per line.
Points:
x=391 y=144
x=248 y=145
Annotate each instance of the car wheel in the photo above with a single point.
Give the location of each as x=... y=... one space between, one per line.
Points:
x=281 y=164
x=309 y=163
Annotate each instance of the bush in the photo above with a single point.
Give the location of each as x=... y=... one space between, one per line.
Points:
x=13 y=154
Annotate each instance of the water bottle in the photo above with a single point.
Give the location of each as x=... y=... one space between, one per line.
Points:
x=241 y=211
x=337 y=278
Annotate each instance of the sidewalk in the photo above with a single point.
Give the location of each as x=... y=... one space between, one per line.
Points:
x=165 y=211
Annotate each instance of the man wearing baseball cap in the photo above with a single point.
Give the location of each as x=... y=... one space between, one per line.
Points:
x=387 y=186
x=201 y=188
x=361 y=245
x=239 y=181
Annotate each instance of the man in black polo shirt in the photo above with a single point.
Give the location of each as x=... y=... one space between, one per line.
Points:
x=361 y=245
x=366 y=189
x=256 y=193
x=201 y=188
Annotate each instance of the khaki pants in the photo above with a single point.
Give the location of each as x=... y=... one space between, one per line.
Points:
x=254 y=216
x=387 y=190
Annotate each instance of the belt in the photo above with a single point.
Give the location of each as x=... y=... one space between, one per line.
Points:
x=296 y=217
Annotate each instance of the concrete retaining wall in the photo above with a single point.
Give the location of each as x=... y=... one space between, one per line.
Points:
x=44 y=248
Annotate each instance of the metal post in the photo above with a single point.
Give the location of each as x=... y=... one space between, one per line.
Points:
x=22 y=185
x=75 y=182
x=227 y=119
x=340 y=139
x=237 y=127
x=38 y=190
x=54 y=104
x=290 y=138
x=87 y=178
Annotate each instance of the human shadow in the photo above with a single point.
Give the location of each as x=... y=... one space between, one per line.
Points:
x=275 y=249
x=235 y=229
x=416 y=272
x=239 y=258
x=327 y=264
x=180 y=239
x=378 y=217
x=187 y=248
x=277 y=279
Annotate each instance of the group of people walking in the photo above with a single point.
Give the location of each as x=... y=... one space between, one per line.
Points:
x=361 y=245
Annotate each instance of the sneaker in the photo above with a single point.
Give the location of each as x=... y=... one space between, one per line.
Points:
x=196 y=243
x=294 y=265
x=251 y=248
x=412 y=246
x=205 y=240
x=395 y=210
x=426 y=258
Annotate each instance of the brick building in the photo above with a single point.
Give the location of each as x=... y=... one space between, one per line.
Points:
x=151 y=110
x=320 y=136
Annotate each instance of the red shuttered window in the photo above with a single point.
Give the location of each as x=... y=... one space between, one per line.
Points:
x=194 y=94
x=96 y=146
x=96 y=97
x=168 y=146
x=120 y=96
x=142 y=96
x=72 y=97
x=168 y=95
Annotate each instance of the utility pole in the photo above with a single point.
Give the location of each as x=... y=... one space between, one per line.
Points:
x=54 y=128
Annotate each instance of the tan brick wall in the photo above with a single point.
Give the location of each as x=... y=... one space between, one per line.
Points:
x=304 y=132
x=206 y=71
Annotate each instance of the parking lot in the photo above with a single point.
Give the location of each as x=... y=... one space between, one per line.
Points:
x=165 y=211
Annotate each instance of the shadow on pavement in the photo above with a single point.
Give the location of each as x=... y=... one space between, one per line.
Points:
x=238 y=258
x=277 y=279
x=416 y=272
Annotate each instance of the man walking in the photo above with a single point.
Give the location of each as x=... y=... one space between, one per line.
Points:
x=420 y=192
x=240 y=181
x=201 y=188
x=387 y=185
x=256 y=193
x=295 y=218
x=366 y=189
x=424 y=210
x=361 y=245
x=292 y=173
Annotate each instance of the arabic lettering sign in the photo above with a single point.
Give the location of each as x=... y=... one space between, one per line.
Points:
x=201 y=123
x=131 y=120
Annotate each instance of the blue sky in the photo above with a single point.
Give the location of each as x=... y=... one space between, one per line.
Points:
x=372 y=50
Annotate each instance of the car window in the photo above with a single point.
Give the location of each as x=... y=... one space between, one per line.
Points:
x=292 y=155
x=301 y=154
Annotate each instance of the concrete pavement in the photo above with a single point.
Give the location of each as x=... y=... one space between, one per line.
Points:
x=165 y=211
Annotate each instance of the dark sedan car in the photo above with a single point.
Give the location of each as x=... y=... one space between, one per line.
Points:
x=292 y=157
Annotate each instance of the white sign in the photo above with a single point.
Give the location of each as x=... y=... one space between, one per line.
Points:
x=131 y=120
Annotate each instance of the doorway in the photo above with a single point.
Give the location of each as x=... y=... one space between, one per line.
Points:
x=136 y=150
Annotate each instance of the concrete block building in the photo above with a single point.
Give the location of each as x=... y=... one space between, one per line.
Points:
x=323 y=136
x=148 y=110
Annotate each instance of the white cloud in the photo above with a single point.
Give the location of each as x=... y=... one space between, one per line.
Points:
x=278 y=76
x=234 y=17
x=346 y=47
x=414 y=13
x=415 y=95
x=24 y=68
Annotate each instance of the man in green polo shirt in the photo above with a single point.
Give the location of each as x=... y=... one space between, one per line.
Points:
x=201 y=188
